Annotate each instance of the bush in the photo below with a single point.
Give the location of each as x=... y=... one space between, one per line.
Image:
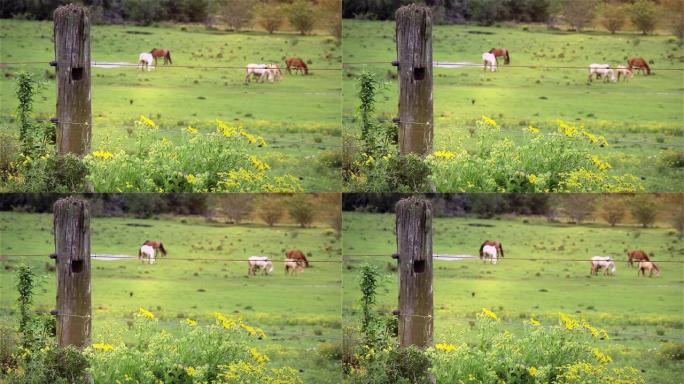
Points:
x=644 y=16
x=270 y=16
x=579 y=13
x=301 y=210
x=302 y=16
x=237 y=13
x=671 y=159
x=143 y=12
x=613 y=16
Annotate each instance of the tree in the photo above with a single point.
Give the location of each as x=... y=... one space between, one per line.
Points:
x=270 y=209
x=143 y=12
x=301 y=209
x=579 y=13
x=332 y=17
x=237 y=13
x=612 y=209
x=235 y=206
x=675 y=203
x=578 y=206
x=485 y=12
x=302 y=16
x=674 y=10
x=270 y=16
x=644 y=209
x=644 y=16
x=613 y=16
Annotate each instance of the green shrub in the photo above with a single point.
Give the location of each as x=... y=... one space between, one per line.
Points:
x=671 y=159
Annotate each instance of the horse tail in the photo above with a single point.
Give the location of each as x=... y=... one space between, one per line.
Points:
x=648 y=69
x=306 y=262
x=507 y=61
x=482 y=247
x=161 y=248
x=168 y=56
x=501 y=250
x=655 y=266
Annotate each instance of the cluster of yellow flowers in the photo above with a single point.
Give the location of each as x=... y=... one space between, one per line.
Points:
x=142 y=312
x=582 y=325
x=488 y=313
x=446 y=347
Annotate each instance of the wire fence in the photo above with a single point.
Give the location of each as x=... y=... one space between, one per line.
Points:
x=162 y=258
x=440 y=256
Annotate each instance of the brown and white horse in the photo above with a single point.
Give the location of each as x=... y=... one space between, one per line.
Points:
x=494 y=243
x=161 y=52
x=648 y=266
x=293 y=266
x=146 y=253
x=636 y=255
x=157 y=245
x=624 y=71
x=298 y=256
x=501 y=52
x=640 y=64
x=297 y=64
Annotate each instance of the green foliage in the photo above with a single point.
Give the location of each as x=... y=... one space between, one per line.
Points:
x=52 y=364
x=270 y=210
x=301 y=210
x=644 y=15
x=368 y=87
x=143 y=12
x=643 y=209
x=25 y=284
x=393 y=365
x=370 y=277
x=302 y=16
x=671 y=159
x=579 y=13
x=270 y=15
x=485 y=12
x=613 y=16
x=237 y=13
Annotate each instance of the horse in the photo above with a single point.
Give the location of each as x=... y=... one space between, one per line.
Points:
x=495 y=243
x=640 y=64
x=489 y=252
x=145 y=60
x=637 y=255
x=625 y=71
x=146 y=252
x=161 y=52
x=293 y=266
x=259 y=262
x=157 y=245
x=297 y=64
x=275 y=71
x=259 y=71
x=601 y=70
x=648 y=266
x=598 y=262
x=490 y=59
x=298 y=255
x=499 y=52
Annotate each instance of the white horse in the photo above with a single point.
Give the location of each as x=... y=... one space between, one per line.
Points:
x=261 y=70
x=146 y=252
x=490 y=59
x=598 y=262
x=489 y=252
x=601 y=70
x=145 y=60
x=293 y=266
x=259 y=262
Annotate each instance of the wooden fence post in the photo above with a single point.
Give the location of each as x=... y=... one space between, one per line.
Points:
x=414 y=58
x=414 y=240
x=72 y=59
x=72 y=254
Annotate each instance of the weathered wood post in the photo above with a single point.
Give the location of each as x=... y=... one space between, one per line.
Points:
x=414 y=240
x=72 y=254
x=414 y=58
x=72 y=59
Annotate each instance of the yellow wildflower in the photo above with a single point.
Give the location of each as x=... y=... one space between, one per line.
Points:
x=258 y=357
x=103 y=346
x=191 y=130
x=102 y=155
x=444 y=154
x=600 y=356
x=190 y=178
x=191 y=322
x=488 y=121
x=190 y=371
x=147 y=122
x=568 y=322
x=145 y=313
x=445 y=347
x=486 y=312
x=532 y=178
x=533 y=130
x=534 y=322
x=258 y=164
x=532 y=371
x=600 y=164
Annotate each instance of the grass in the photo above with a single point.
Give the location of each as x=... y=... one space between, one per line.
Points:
x=300 y=112
x=645 y=109
x=630 y=308
x=300 y=315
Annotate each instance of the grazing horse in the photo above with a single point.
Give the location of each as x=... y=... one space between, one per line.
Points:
x=259 y=262
x=489 y=252
x=601 y=70
x=494 y=243
x=598 y=262
x=276 y=73
x=648 y=266
x=145 y=61
x=624 y=71
x=490 y=59
x=259 y=71
x=157 y=245
x=146 y=252
x=499 y=52
x=640 y=64
x=637 y=255
x=293 y=266
x=297 y=64
x=298 y=255
x=161 y=52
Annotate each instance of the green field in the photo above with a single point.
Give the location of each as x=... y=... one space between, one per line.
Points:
x=640 y=314
x=299 y=117
x=300 y=314
x=645 y=109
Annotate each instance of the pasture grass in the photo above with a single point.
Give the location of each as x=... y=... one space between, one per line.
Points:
x=303 y=111
x=644 y=109
x=641 y=315
x=300 y=314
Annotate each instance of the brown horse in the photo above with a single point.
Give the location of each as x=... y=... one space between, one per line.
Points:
x=648 y=266
x=493 y=243
x=499 y=52
x=161 y=52
x=640 y=64
x=297 y=64
x=157 y=245
x=636 y=255
x=297 y=256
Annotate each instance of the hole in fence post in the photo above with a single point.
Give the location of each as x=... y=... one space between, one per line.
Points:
x=418 y=73
x=76 y=73
x=77 y=266
x=419 y=266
